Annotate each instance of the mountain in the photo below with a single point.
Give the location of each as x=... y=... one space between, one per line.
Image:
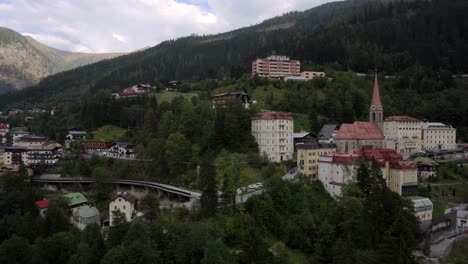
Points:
x=358 y=35
x=24 y=61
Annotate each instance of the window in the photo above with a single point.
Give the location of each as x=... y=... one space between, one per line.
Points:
x=115 y=207
x=124 y=207
x=120 y=200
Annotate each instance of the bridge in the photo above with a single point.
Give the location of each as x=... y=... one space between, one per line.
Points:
x=191 y=198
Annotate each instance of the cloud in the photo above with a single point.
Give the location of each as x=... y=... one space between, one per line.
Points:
x=126 y=25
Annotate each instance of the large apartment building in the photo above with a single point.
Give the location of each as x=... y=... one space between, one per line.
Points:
x=403 y=133
x=273 y=132
x=438 y=136
x=276 y=67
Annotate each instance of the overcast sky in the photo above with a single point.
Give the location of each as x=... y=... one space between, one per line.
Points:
x=126 y=25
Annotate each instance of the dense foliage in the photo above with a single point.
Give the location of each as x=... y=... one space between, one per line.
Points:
x=349 y=35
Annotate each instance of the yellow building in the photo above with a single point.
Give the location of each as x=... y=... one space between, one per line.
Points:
x=403 y=177
x=308 y=155
x=403 y=133
x=422 y=208
x=30 y=141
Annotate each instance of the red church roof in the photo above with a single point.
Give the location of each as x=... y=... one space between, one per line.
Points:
x=401 y=118
x=43 y=204
x=376 y=94
x=359 y=130
x=272 y=115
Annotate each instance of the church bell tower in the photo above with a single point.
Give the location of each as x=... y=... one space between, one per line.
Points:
x=376 y=109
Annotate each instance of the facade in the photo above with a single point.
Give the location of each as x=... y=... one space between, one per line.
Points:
x=276 y=67
x=43 y=205
x=438 y=136
x=125 y=203
x=16 y=133
x=422 y=208
x=31 y=156
x=121 y=150
x=403 y=133
x=426 y=167
x=273 y=132
x=327 y=133
x=357 y=135
x=308 y=155
x=376 y=108
x=336 y=170
x=462 y=218
x=309 y=75
x=98 y=147
x=76 y=135
x=29 y=141
x=85 y=215
x=403 y=177
x=222 y=100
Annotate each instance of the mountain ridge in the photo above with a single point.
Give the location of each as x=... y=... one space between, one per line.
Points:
x=24 y=61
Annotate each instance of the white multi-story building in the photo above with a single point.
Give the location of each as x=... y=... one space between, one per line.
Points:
x=438 y=136
x=123 y=202
x=335 y=170
x=273 y=132
x=403 y=134
x=31 y=156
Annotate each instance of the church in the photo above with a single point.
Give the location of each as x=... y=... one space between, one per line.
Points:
x=360 y=134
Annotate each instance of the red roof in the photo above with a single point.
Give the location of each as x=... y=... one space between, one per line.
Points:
x=401 y=118
x=272 y=115
x=336 y=183
x=404 y=165
x=376 y=94
x=4 y=126
x=43 y=204
x=346 y=158
x=359 y=130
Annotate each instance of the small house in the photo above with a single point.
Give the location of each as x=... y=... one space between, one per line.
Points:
x=43 y=205
x=125 y=203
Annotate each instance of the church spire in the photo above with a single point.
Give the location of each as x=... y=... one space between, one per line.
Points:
x=376 y=109
x=376 y=94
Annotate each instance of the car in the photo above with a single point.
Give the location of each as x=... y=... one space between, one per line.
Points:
x=252 y=186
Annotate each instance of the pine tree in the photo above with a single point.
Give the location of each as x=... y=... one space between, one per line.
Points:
x=209 y=198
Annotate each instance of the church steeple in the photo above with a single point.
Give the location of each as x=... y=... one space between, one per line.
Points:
x=376 y=109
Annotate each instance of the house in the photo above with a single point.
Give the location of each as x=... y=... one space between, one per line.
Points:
x=276 y=67
x=4 y=130
x=303 y=137
x=308 y=155
x=17 y=132
x=85 y=215
x=422 y=209
x=403 y=133
x=358 y=135
x=31 y=156
x=327 y=133
x=75 y=200
x=222 y=100
x=426 y=167
x=462 y=218
x=336 y=170
x=438 y=136
x=29 y=141
x=122 y=150
x=125 y=203
x=173 y=86
x=76 y=135
x=273 y=132
x=43 y=205
x=97 y=147
x=309 y=75
x=132 y=92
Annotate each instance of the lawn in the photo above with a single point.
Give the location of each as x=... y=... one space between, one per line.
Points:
x=301 y=123
x=109 y=132
x=459 y=253
x=168 y=96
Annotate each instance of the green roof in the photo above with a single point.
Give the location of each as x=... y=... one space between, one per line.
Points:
x=425 y=160
x=75 y=198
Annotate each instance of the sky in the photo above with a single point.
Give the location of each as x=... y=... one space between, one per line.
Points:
x=127 y=25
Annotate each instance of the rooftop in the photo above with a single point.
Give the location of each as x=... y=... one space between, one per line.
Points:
x=462 y=214
x=43 y=204
x=435 y=125
x=359 y=130
x=125 y=195
x=315 y=146
x=419 y=201
x=327 y=130
x=273 y=115
x=87 y=211
x=75 y=198
x=401 y=118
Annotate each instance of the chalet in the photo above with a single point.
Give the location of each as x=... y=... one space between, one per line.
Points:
x=98 y=147
x=125 y=203
x=132 y=92
x=304 y=137
x=76 y=135
x=121 y=150
x=222 y=100
x=173 y=86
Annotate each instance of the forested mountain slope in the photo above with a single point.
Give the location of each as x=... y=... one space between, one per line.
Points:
x=24 y=61
x=351 y=35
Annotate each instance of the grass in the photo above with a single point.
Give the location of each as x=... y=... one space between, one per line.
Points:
x=446 y=193
x=301 y=123
x=109 y=132
x=438 y=210
x=459 y=253
x=169 y=96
